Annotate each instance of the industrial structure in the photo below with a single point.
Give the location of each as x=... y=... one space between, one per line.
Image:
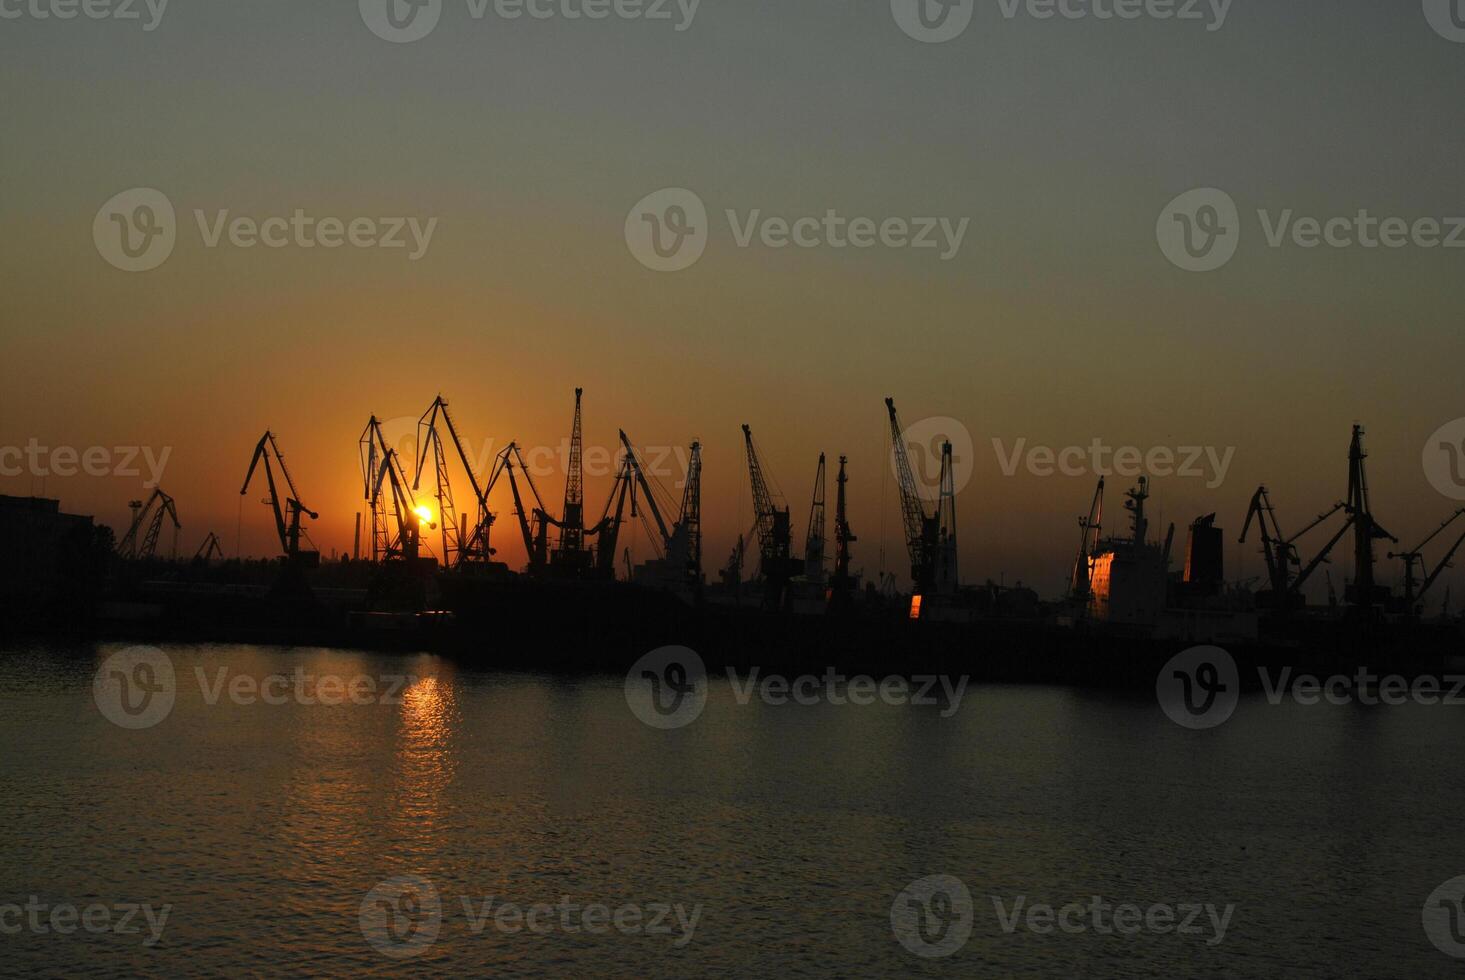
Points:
x=287 y=512
x=159 y=507
x=930 y=536
x=1119 y=582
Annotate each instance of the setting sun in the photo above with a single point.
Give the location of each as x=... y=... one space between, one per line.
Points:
x=424 y=513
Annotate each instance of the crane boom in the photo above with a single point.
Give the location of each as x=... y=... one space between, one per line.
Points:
x=814 y=539
x=648 y=496
x=912 y=510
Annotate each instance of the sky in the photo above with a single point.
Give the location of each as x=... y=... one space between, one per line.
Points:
x=1058 y=320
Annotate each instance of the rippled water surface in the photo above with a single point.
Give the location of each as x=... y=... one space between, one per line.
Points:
x=783 y=834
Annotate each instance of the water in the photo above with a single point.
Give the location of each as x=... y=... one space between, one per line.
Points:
x=783 y=834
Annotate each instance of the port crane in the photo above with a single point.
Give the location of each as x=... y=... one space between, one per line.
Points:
x=209 y=550
x=607 y=530
x=1281 y=555
x=814 y=541
x=571 y=559
x=536 y=545
x=288 y=517
x=1414 y=590
x=774 y=531
x=930 y=538
x=159 y=507
x=1362 y=594
x=842 y=584
x=461 y=547
x=1280 y=551
x=678 y=545
x=382 y=468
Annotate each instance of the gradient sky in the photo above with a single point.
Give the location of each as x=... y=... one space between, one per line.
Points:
x=1058 y=322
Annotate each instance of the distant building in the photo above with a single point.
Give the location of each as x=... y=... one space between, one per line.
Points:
x=48 y=560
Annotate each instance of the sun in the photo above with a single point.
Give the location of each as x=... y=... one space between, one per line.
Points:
x=424 y=513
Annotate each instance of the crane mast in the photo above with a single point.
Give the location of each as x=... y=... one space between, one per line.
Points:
x=1362 y=594
x=814 y=541
x=572 y=520
x=842 y=584
x=684 y=548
